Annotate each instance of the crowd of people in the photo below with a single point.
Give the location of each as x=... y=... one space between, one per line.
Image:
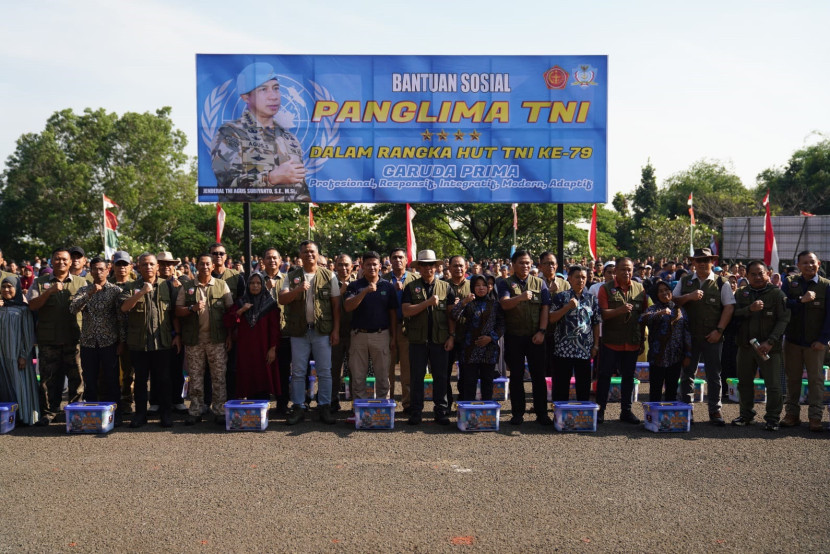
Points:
x=200 y=331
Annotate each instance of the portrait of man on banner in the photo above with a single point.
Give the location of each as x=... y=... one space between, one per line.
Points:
x=255 y=158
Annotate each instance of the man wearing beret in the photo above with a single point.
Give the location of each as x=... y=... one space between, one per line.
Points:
x=255 y=151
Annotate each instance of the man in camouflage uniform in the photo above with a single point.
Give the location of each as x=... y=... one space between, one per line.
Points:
x=254 y=157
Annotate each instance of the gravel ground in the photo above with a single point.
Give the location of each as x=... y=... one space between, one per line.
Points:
x=319 y=488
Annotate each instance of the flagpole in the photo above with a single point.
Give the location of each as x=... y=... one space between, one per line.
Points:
x=104 y=225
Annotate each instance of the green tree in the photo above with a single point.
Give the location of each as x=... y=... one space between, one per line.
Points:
x=669 y=238
x=625 y=225
x=50 y=192
x=645 y=195
x=804 y=184
x=718 y=193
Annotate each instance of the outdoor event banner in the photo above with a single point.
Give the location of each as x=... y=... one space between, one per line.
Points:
x=412 y=129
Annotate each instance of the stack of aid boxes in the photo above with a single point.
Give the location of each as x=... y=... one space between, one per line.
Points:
x=246 y=415
x=501 y=386
x=615 y=392
x=641 y=372
x=370 y=387
x=372 y=413
x=759 y=386
x=575 y=417
x=90 y=417
x=478 y=416
x=667 y=417
x=8 y=416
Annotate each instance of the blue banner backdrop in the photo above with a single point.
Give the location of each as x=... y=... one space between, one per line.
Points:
x=449 y=129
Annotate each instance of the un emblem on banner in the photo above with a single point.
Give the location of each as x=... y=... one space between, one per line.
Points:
x=224 y=104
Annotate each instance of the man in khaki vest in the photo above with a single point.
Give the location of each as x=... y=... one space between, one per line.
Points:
x=460 y=288
x=526 y=302
x=621 y=303
x=762 y=316
x=426 y=305
x=122 y=276
x=311 y=296
x=201 y=306
x=150 y=311
x=400 y=278
x=271 y=261
x=709 y=303
x=58 y=335
x=343 y=269
x=808 y=298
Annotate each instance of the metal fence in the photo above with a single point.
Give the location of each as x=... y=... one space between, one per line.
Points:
x=743 y=237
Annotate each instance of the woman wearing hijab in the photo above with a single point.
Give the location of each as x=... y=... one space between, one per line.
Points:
x=255 y=318
x=480 y=343
x=27 y=273
x=669 y=343
x=18 y=381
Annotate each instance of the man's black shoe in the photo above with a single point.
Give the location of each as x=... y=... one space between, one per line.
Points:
x=139 y=420
x=414 y=419
x=192 y=420
x=166 y=419
x=544 y=419
x=629 y=417
x=516 y=420
x=296 y=415
x=601 y=416
x=219 y=420
x=442 y=419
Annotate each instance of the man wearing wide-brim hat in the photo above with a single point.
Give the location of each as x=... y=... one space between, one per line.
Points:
x=167 y=271
x=426 y=303
x=709 y=304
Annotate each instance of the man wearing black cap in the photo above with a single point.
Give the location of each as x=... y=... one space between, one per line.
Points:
x=256 y=151
x=709 y=303
x=77 y=265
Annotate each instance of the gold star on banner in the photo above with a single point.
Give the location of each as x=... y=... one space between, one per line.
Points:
x=442 y=135
x=427 y=135
x=474 y=135
x=459 y=135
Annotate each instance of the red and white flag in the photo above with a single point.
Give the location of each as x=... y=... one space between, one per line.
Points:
x=515 y=217
x=311 y=214
x=592 y=234
x=770 y=246
x=691 y=208
x=110 y=228
x=807 y=214
x=220 y=222
x=411 y=246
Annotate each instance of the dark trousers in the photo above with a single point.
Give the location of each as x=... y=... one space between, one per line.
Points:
x=176 y=379
x=471 y=373
x=660 y=376
x=516 y=349
x=101 y=363
x=156 y=365
x=284 y=363
x=611 y=361
x=419 y=355
x=563 y=369
x=54 y=364
x=338 y=357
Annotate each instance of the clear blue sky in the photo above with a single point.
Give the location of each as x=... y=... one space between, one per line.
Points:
x=743 y=82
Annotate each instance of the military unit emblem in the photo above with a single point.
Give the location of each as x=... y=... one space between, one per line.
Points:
x=584 y=76
x=556 y=78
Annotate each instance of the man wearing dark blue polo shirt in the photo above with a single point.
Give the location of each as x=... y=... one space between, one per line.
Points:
x=374 y=305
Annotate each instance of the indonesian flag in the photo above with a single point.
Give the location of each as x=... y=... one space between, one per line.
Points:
x=770 y=246
x=411 y=246
x=691 y=209
x=807 y=214
x=592 y=234
x=110 y=228
x=713 y=245
x=515 y=217
x=311 y=214
x=220 y=222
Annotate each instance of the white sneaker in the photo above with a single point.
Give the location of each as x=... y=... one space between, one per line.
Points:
x=153 y=408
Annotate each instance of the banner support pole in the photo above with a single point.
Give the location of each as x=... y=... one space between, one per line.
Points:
x=246 y=217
